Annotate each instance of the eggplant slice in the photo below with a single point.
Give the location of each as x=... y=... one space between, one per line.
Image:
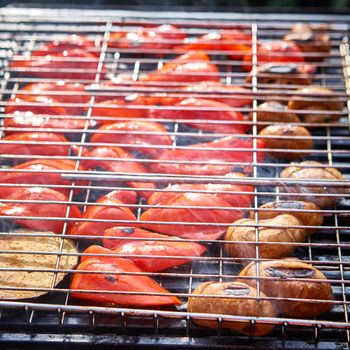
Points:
x=20 y=257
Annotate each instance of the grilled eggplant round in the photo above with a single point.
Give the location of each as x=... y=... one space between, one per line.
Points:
x=286 y=141
x=311 y=172
x=271 y=239
x=25 y=280
x=307 y=212
x=291 y=278
x=237 y=302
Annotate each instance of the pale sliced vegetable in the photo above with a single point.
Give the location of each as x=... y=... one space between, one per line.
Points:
x=26 y=256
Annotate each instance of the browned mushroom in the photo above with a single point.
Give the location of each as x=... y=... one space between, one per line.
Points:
x=237 y=302
x=320 y=101
x=283 y=74
x=290 y=278
x=316 y=45
x=307 y=212
x=272 y=237
x=311 y=172
x=287 y=141
x=273 y=112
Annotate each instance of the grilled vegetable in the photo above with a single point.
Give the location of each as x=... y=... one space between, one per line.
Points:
x=275 y=52
x=230 y=302
x=70 y=58
x=315 y=45
x=162 y=254
x=290 y=278
x=44 y=256
x=59 y=92
x=235 y=42
x=287 y=141
x=283 y=74
x=193 y=66
x=316 y=98
x=110 y=207
x=275 y=231
x=109 y=279
x=30 y=120
x=33 y=144
x=230 y=192
x=204 y=110
x=211 y=154
x=234 y=96
x=306 y=212
x=162 y=37
x=221 y=210
x=120 y=162
x=36 y=210
x=43 y=172
x=149 y=135
x=273 y=112
x=311 y=172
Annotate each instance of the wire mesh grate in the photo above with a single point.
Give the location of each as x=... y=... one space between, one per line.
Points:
x=328 y=249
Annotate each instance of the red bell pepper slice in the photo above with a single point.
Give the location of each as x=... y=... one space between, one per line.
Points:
x=119 y=165
x=66 y=64
x=275 y=51
x=111 y=208
x=235 y=42
x=228 y=149
x=156 y=219
x=43 y=172
x=70 y=42
x=108 y=279
x=39 y=210
x=32 y=143
x=234 y=96
x=146 y=134
x=201 y=109
x=193 y=66
x=59 y=92
x=162 y=37
x=226 y=191
x=157 y=249
x=30 y=120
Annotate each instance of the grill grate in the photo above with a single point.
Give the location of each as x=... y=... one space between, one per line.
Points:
x=328 y=250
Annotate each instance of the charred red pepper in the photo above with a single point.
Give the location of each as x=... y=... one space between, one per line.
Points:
x=234 y=96
x=42 y=172
x=59 y=92
x=108 y=279
x=193 y=109
x=228 y=149
x=186 y=220
x=30 y=120
x=146 y=134
x=193 y=66
x=38 y=211
x=33 y=143
x=234 y=42
x=121 y=162
x=153 y=247
x=110 y=207
x=69 y=58
x=162 y=37
x=275 y=51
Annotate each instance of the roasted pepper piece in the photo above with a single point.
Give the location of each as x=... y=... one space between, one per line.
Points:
x=109 y=280
x=152 y=247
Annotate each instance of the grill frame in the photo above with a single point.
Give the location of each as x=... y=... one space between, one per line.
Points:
x=62 y=311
